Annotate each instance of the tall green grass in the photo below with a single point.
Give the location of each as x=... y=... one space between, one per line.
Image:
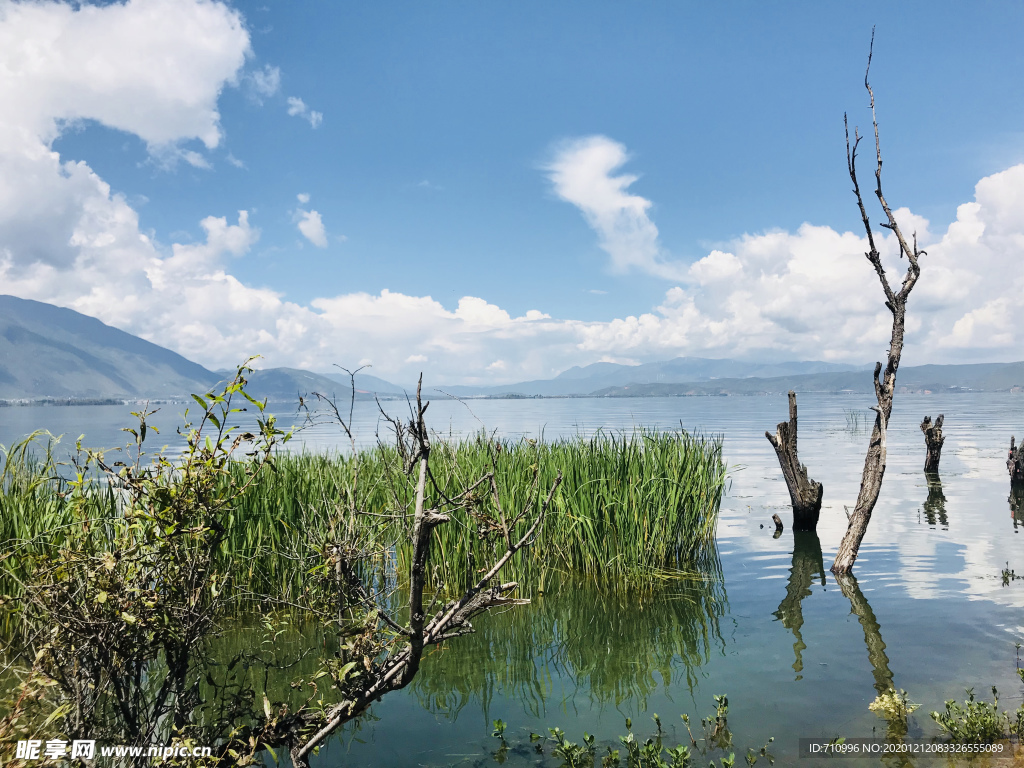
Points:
x=632 y=506
x=643 y=504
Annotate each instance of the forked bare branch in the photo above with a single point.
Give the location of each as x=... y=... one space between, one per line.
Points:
x=896 y=302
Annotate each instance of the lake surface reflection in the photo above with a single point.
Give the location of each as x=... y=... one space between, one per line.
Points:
x=798 y=654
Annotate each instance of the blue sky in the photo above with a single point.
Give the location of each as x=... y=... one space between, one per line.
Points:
x=480 y=153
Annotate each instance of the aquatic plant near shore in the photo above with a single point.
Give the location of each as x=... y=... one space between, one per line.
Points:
x=653 y=752
x=118 y=613
x=977 y=721
x=895 y=707
x=632 y=507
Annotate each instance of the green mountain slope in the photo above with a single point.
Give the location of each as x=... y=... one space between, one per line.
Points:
x=51 y=352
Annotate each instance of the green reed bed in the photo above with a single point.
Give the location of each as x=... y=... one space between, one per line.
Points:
x=643 y=504
x=34 y=505
x=631 y=506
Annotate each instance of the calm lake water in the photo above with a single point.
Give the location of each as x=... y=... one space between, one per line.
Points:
x=797 y=655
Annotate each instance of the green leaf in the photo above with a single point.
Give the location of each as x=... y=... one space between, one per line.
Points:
x=101 y=598
x=343 y=672
x=60 y=711
x=250 y=398
x=201 y=402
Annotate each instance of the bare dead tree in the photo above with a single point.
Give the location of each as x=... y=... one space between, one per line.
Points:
x=388 y=665
x=1015 y=464
x=933 y=441
x=804 y=493
x=896 y=303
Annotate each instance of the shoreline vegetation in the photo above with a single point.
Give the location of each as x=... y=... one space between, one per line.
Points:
x=635 y=508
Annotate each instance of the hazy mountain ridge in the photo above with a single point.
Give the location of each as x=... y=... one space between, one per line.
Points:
x=367 y=384
x=600 y=376
x=53 y=353
x=48 y=352
x=988 y=377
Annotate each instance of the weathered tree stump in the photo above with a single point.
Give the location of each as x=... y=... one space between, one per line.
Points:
x=804 y=493
x=1015 y=463
x=933 y=440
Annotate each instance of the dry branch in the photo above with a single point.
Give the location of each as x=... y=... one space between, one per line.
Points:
x=896 y=302
x=401 y=661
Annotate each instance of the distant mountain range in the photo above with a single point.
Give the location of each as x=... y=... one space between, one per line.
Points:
x=50 y=353
x=602 y=376
x=988 y=377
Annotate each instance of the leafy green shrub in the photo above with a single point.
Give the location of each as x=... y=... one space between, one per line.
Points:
x=652 y=752
x=975 y=721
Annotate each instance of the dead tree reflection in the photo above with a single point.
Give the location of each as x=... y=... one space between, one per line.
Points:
x=1016 y=500
x=808 y=565
x=872 y=631
x=935 y=505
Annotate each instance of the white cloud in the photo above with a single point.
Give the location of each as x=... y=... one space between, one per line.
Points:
x=581 y=173
x=264 y=82
x=154 y=68
x=809 y=293
x=297 y=108
x=194 y=158
x=302 y=197
x=312 y=228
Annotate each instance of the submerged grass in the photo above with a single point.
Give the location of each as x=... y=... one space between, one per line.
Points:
x=633 y=507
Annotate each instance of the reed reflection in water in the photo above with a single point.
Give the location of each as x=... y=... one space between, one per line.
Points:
x=614 y=646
